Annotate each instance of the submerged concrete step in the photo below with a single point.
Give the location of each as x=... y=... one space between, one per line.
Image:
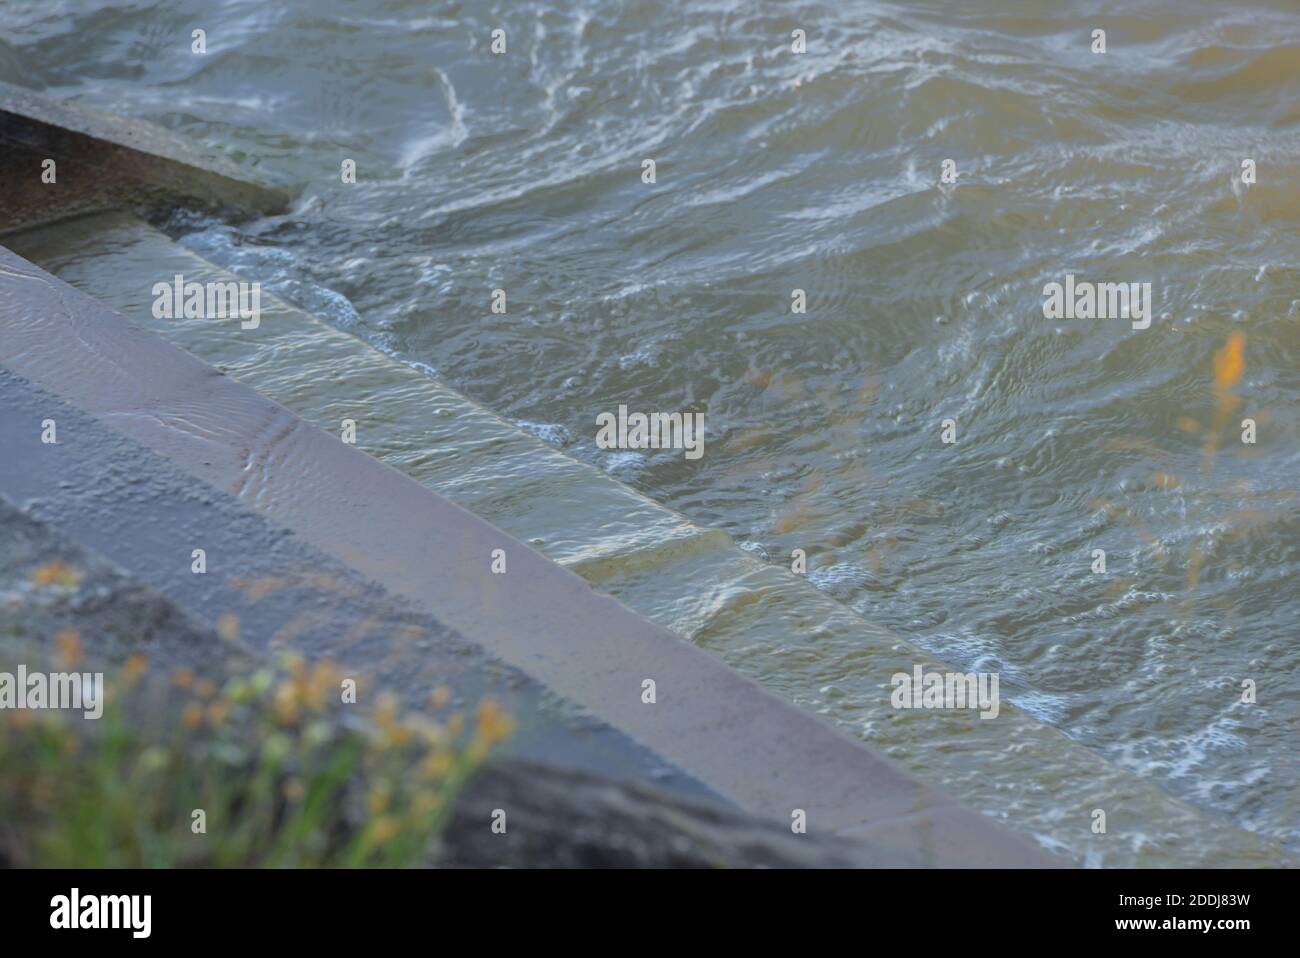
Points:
x=756 y=617
x=770 y=758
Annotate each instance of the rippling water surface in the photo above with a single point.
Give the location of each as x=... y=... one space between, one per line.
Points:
x=821 y=172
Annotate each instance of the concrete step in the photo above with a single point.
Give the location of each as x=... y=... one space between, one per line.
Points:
x=128 y=389
x=756 y=617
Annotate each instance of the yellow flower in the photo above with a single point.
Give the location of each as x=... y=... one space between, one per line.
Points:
x=386 y=711
x=323 y=683
x=183 y=678
x=52 y=572
x=436 y=764
x=301 y=679
x=228 y=627
x=286 y=704
x=70 y=649
x=192 y=717
x=218 y=712
x=378 y=800
x=494 y=725
x=134 y=668
x=439 y=697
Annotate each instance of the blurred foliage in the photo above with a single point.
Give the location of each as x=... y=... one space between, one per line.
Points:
x=285 y=773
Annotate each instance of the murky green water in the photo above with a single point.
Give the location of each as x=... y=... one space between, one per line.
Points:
x=821 y=172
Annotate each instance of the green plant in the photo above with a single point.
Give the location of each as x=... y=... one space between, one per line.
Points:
x=271 y=765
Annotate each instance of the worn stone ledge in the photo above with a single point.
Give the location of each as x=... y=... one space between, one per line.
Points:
x=105 y=161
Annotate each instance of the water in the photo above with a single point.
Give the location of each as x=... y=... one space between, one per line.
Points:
x=821 y=172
